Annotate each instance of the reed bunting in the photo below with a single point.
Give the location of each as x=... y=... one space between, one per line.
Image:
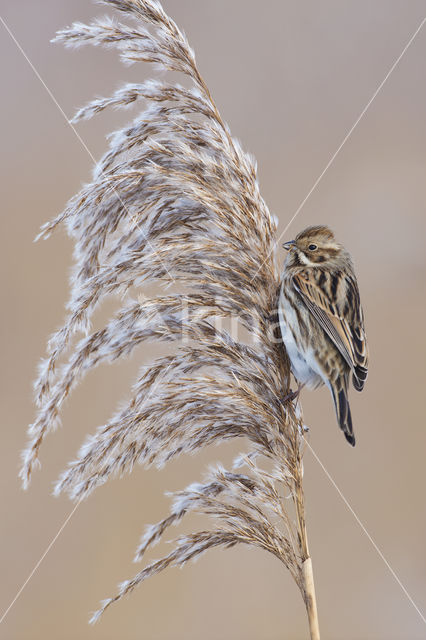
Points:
x=321 y=319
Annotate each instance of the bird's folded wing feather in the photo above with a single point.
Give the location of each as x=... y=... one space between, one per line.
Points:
x=338 y=311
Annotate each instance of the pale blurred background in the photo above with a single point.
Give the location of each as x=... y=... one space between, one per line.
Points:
x=290 y=78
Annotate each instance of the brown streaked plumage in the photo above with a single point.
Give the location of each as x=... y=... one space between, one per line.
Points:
x=321 y=318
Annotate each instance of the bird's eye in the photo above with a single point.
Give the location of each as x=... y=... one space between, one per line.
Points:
x=312 y=247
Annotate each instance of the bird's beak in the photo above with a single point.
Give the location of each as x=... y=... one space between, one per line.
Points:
x=288 y=245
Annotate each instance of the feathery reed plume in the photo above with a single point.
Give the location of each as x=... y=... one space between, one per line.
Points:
x=175 y=198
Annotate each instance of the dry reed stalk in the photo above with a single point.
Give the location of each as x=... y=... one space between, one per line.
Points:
x=175 y=197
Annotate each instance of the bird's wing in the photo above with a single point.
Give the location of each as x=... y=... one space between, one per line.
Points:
x=334 y=302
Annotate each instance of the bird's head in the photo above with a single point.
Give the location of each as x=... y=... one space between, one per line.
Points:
x=314 y=247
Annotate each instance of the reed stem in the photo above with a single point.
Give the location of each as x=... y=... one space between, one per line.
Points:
x=310 y=599
x=307 y=573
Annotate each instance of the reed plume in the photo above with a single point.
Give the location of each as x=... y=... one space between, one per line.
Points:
x=176 y=199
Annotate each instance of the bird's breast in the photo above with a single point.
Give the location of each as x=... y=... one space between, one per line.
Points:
x=294 y=326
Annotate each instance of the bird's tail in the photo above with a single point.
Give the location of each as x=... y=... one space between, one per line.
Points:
x=339 y=392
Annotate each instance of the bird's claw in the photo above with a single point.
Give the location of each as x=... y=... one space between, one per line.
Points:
x=292 y=395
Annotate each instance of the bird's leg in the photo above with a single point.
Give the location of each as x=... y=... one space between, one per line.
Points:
x=293 y=394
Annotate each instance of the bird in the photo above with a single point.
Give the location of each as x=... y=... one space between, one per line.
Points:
x=321 y=319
